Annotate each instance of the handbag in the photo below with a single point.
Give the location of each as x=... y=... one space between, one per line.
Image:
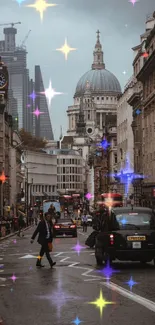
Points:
x=50 y=247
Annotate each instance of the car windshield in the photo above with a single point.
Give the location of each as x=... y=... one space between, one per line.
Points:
x=135 y=221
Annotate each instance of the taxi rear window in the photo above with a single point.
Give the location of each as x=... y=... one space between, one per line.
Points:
x=135 y=220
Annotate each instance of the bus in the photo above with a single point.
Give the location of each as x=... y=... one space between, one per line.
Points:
x=110 y=200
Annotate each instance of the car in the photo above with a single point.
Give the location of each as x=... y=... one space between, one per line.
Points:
x=65 y=227
x=89 y=220
x=129 y=236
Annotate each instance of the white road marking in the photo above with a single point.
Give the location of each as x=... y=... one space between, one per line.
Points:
x=1 y=265
x=126 y=293
x=1 y=271
x=2 y=279
x=138 y=299
x=64 y=259
x=58 y=254
x=87 y=280
x=27 y=256
x=92 y=254
x=1 y=258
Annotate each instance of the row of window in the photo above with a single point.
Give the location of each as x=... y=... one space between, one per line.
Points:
x=70 y=186
x=71 y=178
x=43 y=188
x=99 y=98
x=68 y=161
x=69 y=170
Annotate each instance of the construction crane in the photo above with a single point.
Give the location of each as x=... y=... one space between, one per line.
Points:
x=25 y=39
x=12 y=24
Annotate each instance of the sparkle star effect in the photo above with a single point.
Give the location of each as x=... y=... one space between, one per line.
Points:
x=50 y=93
x=108 y=271
x=59 y=299
x=41 y=6
x=33 y=96
x=138 y=111
x=77 y=321
x=28 y=105
x=104 y=144
x=124 y=72
x=88 y=196
x=3 y=178
x=131 y=283
x=65 y=49
x=37 y=113
x=145 y=55
x=13 y=278
x=133 y=1
x=20 y=1
x=101 y=303
x=15 y=241
x=78 y=248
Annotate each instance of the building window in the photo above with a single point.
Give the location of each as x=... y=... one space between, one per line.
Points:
x=63 y=170
x=115 y=158
x=49 y=188
x=63 y=161
x=102 y=98
x=98 y=119
x=98 y=98
x=88 y=115
x=45 y=188
x=53 y=188
x=107 y=98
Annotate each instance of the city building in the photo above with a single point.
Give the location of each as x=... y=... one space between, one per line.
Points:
x=125 y=143
x=136 y=101
x=40 y=170
x=147 y=77
x=16 y=60
x=95 y=106
x=16 y=177
x=43 y=126
x=70 y=171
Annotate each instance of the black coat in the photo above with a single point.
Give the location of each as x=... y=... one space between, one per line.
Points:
x=42 y=231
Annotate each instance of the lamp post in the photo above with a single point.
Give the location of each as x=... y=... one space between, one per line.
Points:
x=27 y=191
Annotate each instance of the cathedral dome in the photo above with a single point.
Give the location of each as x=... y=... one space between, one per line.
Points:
x=101 y=81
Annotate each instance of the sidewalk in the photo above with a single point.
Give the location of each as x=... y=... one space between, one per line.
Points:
x=11 y=235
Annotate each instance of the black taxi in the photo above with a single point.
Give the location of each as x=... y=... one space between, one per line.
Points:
x=129 y=235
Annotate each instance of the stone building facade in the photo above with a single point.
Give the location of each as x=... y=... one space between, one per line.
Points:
x=147 y=77
x=136 y=101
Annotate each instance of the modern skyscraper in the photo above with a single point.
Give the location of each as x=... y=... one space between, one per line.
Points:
x=43 y=126
x=16 y=60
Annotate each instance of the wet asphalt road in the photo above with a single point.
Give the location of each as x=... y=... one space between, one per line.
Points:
x=60 y=295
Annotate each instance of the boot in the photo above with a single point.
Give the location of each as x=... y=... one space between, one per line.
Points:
x=39 y=263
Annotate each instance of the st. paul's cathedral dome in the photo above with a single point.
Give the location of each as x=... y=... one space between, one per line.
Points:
x=101 y=81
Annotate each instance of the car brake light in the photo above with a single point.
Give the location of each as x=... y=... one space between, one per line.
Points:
x=72 y=226
x=111 y=239
x=57 y=227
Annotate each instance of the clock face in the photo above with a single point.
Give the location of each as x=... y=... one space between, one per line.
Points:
x=2 y=80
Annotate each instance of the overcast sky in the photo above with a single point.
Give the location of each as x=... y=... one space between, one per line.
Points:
x=119 y=22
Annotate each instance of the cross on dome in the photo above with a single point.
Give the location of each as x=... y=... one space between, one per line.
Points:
x=98 y=63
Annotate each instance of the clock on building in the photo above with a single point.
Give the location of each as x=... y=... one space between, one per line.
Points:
x=3 y=81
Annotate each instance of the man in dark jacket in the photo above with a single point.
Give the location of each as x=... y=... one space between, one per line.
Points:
x=45 y=237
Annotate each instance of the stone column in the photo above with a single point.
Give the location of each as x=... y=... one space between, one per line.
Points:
x=101 y=125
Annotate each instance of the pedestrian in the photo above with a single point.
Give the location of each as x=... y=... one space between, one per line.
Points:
x=84 y=220
x=30 y=216
x=21 y=224
x=45 y=239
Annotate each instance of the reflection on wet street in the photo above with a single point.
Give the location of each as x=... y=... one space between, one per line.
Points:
x=75 y=290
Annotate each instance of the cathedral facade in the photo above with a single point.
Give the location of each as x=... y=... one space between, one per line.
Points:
x=95 y=107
